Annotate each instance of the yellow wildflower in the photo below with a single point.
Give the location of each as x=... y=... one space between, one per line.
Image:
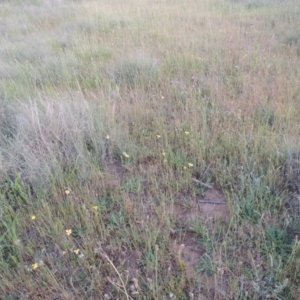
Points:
x=95 y=207
x=187 y=132
x=190 y=165
x=69 y=231
x=158 y=136
x=76 y=251
x=33 y=217
x=67 y=192
x=34 y=266
x=125 y=155
x=184 y=167
x=164 y=154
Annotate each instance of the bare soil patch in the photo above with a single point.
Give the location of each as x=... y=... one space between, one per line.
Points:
x=213 y=205
x=189 y=252
x=132 y=264
x=115 y=173
x=211 y=209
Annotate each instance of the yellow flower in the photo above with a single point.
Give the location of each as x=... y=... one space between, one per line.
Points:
x=69 y=231
x=67 y=192
x=187 y=132
x=95 y=207
x=34 y=266
x=158 y=136
x=107 y=137
x=190 y=165
x=125 y=155
x=33 y=217
x=164 y=154
x=184 y=167
x=76 y=251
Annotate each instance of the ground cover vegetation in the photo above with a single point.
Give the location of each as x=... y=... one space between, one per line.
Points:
x=149 y=149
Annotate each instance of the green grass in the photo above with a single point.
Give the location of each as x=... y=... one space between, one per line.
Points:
x=120 y=123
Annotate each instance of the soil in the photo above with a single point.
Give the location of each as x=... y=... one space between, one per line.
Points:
x=212 y=210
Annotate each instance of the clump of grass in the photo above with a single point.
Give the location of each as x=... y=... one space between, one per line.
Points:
x=265 y=115
x=48 y=139
x=139 y=70
x=293 y=39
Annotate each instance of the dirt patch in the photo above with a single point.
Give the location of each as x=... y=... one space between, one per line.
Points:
x=213 y=205
x=212 y=210
x=188 y=253
x=214 y=288
x=132 y=264
x=115 y=173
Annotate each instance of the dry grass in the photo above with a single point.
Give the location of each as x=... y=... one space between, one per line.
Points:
x=116 y=119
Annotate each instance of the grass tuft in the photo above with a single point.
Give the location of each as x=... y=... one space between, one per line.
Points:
x=139 y=70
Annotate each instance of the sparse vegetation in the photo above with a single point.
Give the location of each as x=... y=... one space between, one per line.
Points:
x=149 y=149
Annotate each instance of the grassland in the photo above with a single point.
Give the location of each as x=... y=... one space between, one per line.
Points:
x=149 y=149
